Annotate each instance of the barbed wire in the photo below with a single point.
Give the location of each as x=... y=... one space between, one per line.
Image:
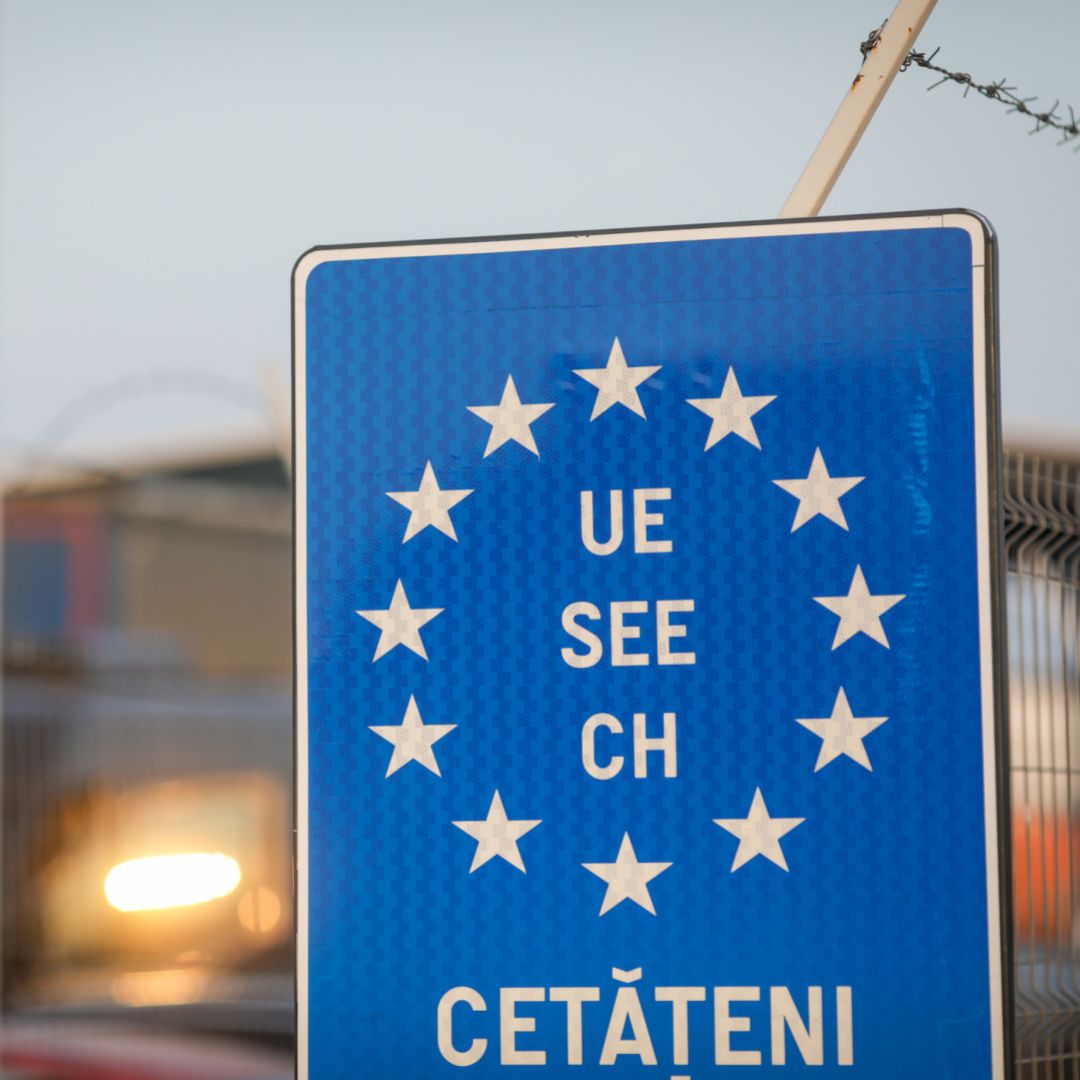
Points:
x=1051 y=118
x=29 y=460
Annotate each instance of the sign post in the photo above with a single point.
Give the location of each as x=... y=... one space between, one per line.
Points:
x=893 y=42
x=648 y=703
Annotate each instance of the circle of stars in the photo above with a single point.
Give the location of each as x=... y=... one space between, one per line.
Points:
x=819 y=494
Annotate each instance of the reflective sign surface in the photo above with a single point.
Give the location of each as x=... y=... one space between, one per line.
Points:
x=645 y=655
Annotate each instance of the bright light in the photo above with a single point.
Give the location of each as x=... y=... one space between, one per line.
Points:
x=165 y=881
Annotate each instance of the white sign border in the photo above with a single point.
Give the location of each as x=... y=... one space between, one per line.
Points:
x=987 y=473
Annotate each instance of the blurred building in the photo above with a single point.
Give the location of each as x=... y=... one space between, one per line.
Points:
x=147 y=743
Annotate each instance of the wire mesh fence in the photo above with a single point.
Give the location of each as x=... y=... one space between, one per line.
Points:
x=1042 y=543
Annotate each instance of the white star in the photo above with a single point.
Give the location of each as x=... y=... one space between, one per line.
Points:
x=819 y=493
x=842 y=733
x=429 y=505
x=627 y=879
x=617 y=383
x=758 y=833
x=859 y=611
x=413 y=740
x=400 y=624
x=510 y=419
x=731 y=412
x=496 y=835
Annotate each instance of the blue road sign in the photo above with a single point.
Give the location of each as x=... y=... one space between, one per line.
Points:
x=647 y=661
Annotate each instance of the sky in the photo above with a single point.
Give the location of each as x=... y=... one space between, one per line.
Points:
x=162 y=165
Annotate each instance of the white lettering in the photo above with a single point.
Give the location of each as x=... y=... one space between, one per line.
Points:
x=627 y=1031
x=621 y=632
x=643 y=519
x=665 y=744
x=627 y=1008
x=665 y=631
x=574 y=996
x=726 y=1025
x=810 y=1041
x=588 y=747
x=510 y=1025
x=680 y=997
x=845 y=1041
x=569 y=620
x=478 y=1047
x=588 y=525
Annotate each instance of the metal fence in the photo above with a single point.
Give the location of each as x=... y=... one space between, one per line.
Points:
x=1042 y=544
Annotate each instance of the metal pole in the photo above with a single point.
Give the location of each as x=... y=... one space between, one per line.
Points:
x=894 y=42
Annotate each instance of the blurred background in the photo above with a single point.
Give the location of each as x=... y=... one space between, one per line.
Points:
x=162 y=165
